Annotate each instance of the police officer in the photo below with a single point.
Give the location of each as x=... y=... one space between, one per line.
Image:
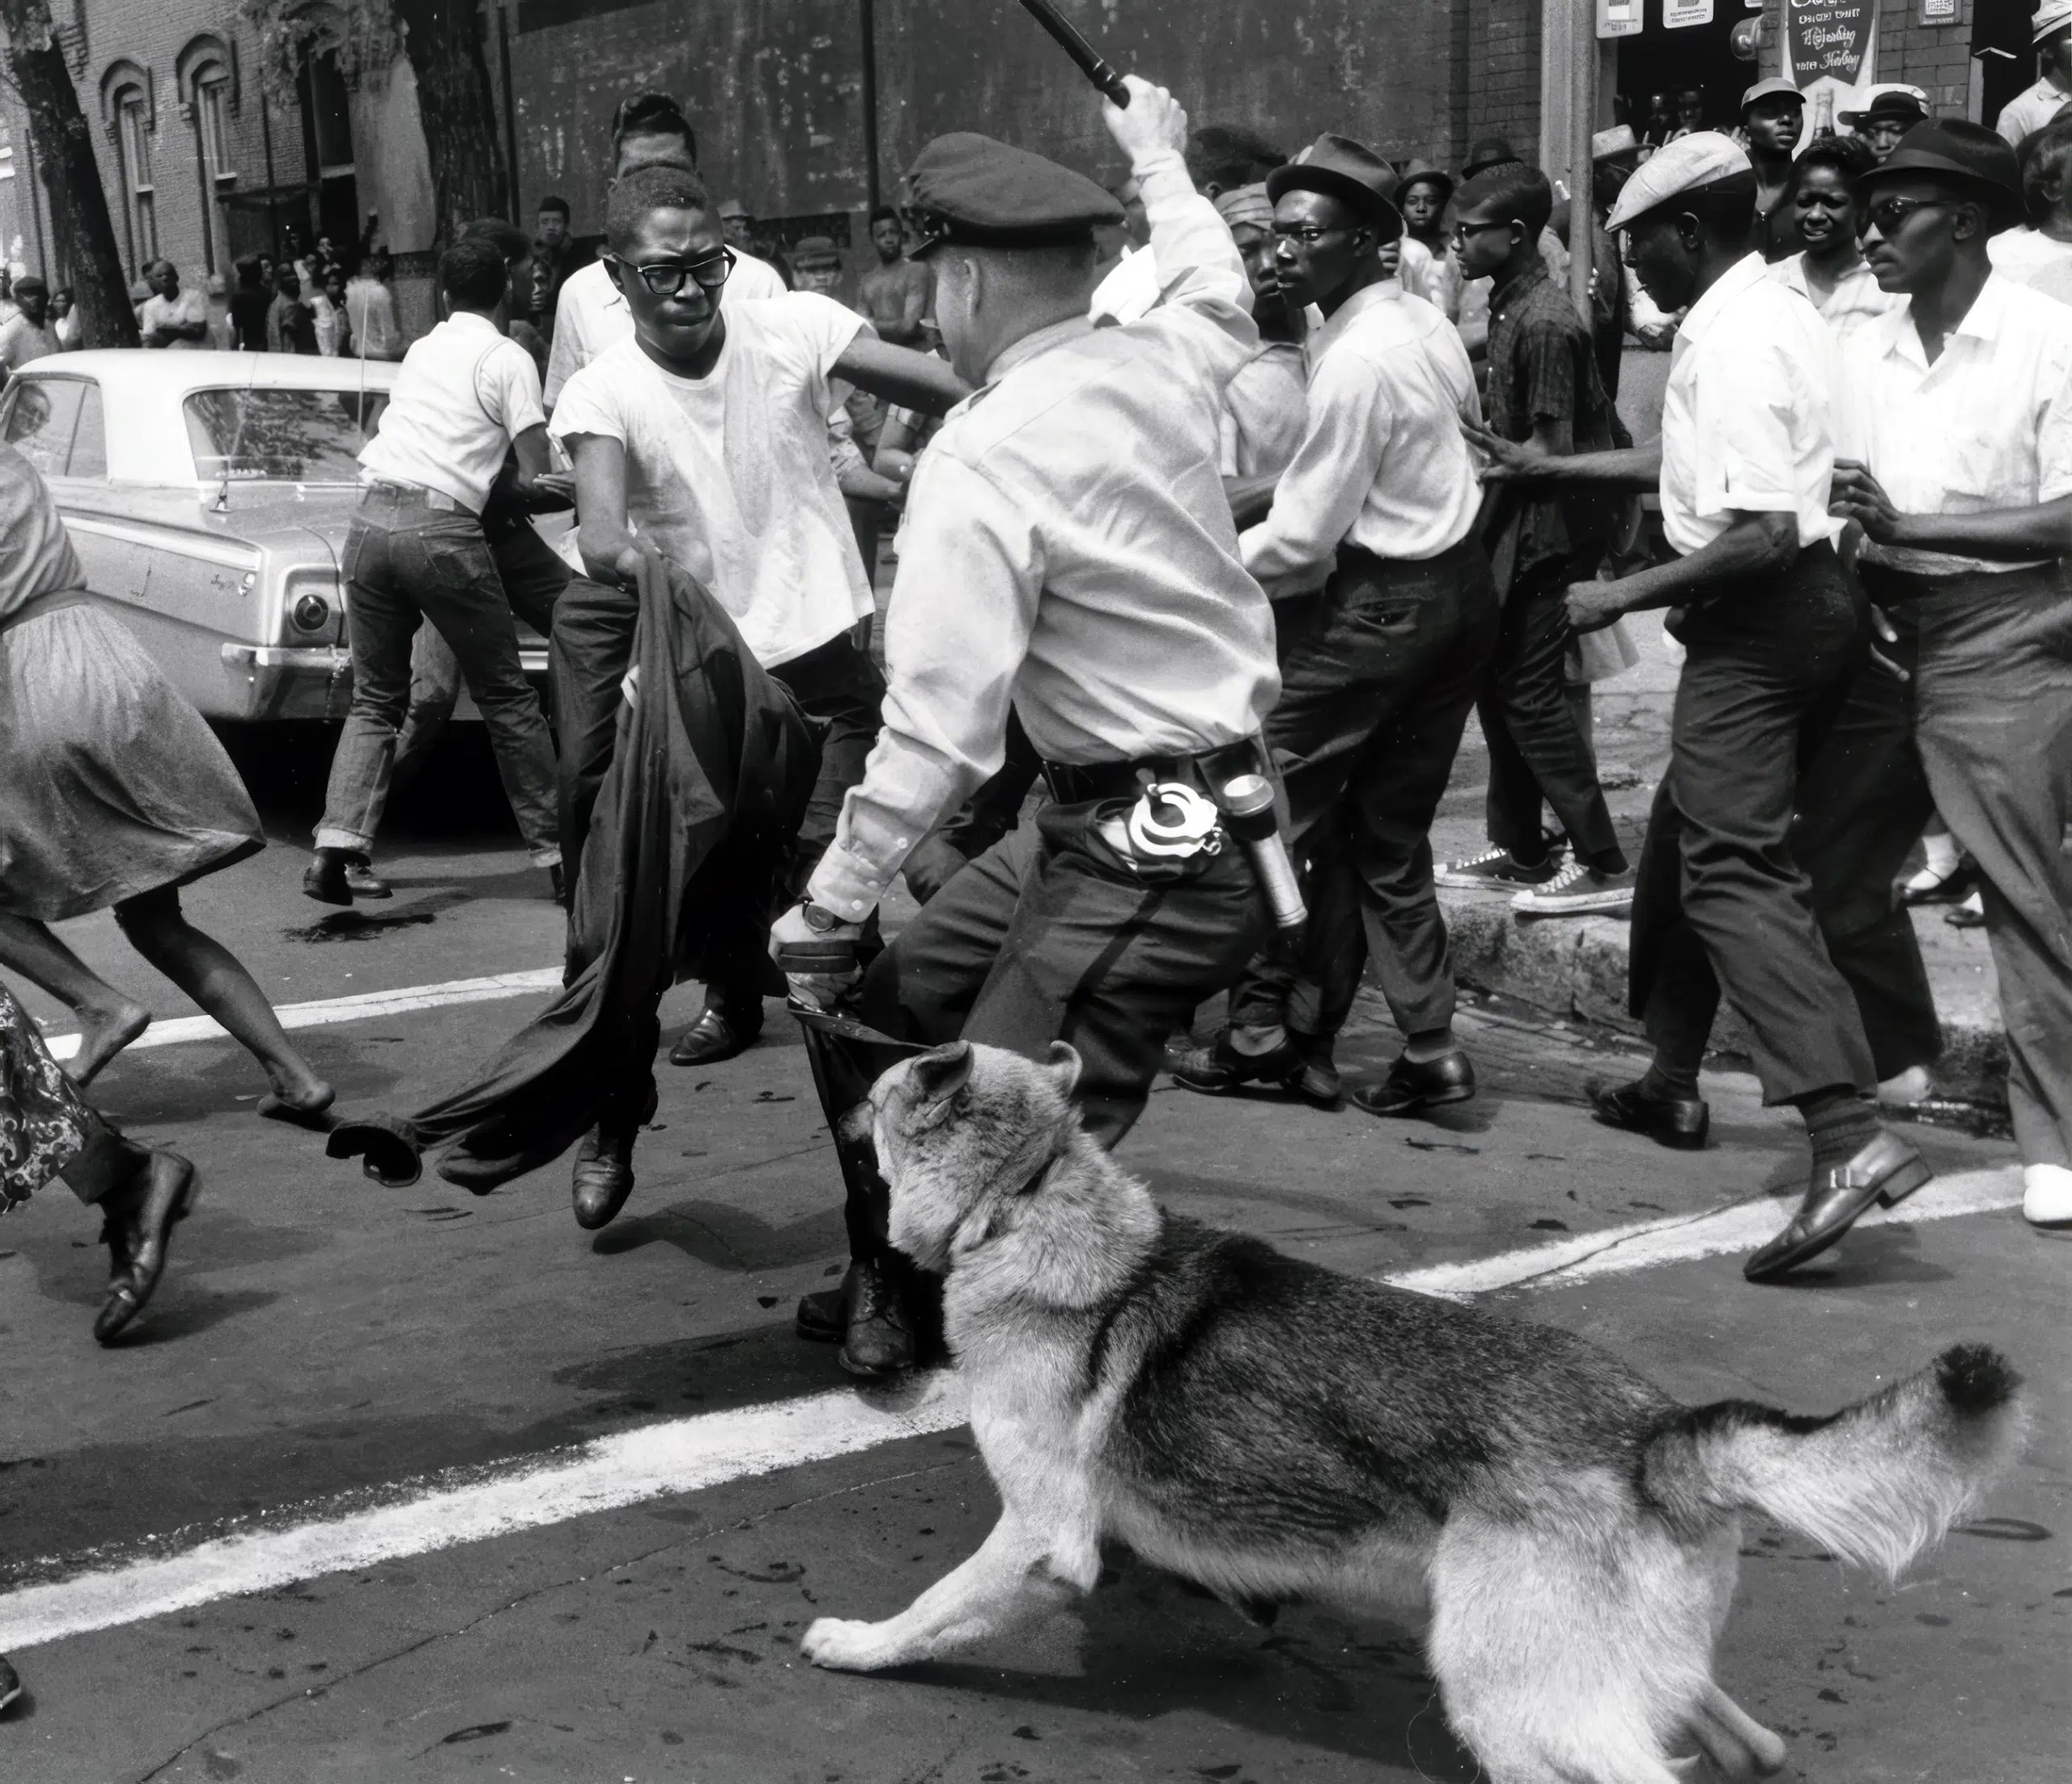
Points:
x=1768 y=716
x=1069 y=553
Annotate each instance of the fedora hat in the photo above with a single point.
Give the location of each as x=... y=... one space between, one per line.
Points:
x=1432 y=173
x=1349 y=172
x=1956 y=149
x=1895 y=101
x=1487 y=152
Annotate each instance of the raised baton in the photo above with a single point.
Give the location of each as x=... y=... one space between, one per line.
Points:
x=1082 y=52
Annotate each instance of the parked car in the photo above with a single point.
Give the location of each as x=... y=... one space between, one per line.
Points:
x=208 y=496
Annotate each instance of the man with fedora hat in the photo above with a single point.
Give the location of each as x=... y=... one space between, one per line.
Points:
x=1764 y=725
x=2050 y=30
x=1382 y=496
x=1957 y=465
x=1890 y=110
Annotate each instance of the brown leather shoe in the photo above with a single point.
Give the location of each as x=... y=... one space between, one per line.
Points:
x=603 y=1177
x=1886 y=1171
x=138 y=1223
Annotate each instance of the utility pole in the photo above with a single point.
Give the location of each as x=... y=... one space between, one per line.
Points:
x=869 y=24
x=1582 y=126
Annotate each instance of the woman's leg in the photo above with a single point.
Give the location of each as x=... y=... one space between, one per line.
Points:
x=214 y=978
x=109 y=1020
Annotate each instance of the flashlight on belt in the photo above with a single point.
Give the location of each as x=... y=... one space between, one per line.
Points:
x=1249 y=815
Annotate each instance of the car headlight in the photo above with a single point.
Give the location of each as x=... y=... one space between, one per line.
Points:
x=312 y=613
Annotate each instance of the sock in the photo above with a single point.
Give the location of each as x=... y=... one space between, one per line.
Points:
x=1840 y=1121
x=1664 y=1079
x=1611 y=864
x=1250 y=1042
x=1429 y=1044
x=1941 y=850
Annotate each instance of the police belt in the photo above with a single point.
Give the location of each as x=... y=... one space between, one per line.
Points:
x=1209 y=772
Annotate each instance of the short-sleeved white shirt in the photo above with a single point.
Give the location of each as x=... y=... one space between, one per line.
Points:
x=464 y=393
x=2032 y=258
x=590 y=315
x=1857 y=299
x=1987 y=426
x=1748 y=421
x=730 y=474
x=186 y=309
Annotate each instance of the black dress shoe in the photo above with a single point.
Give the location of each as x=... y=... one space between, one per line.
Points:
x=1412 y=1084
x=878 y=1336
x=324 y=878
x=1886 y=1172
x=715 y=1036
x=1219 y=1067
x=10 y=1683
x=557 y=879
x=820 y=1319
x=363 y=882
x=136 y=1231
x=1678 y=1122
x=603 y=1177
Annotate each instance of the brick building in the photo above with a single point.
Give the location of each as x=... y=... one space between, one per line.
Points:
x=203 y=159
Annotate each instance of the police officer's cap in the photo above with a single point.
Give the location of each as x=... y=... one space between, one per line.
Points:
x=970 y=190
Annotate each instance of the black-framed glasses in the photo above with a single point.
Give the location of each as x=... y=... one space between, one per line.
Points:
x=666 y=278
x=1889 y=214
x=1463 y=230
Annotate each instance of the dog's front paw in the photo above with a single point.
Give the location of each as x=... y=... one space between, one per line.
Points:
x=847 y=1646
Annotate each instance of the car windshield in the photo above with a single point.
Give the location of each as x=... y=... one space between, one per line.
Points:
x=281 y=436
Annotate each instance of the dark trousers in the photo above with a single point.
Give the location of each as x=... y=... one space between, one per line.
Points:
x=1993 y=717
x=1372 y=704
x=1047 y=937
x=1536 y=748
x=1779 y=711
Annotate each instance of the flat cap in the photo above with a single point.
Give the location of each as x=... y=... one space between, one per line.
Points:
x=1894 y=99
x=1763 y=89
x=1703 y=158
x=2050 y=17
x=969 y=188
x=1345 y=169
x=816 y=251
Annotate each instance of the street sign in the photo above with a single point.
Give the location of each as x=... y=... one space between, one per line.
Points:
x=1828 y=37
x=1618 y=17
x=1940 y=12
x=1679 y=15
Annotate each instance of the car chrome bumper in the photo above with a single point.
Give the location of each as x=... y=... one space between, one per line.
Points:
x=329 y=660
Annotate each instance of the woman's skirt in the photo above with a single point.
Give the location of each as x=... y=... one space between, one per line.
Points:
x=113 y=785
x=44 y=1125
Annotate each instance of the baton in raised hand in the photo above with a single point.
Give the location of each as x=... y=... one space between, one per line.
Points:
x=1082 y=52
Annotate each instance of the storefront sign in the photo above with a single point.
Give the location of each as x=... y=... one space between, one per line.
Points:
x=1829 y=38
x=1618 y=17
x=1676 y=14
x=1940 y=12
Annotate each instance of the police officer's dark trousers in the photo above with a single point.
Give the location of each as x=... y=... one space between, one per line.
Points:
x=1372 y=704
x=1792 y=798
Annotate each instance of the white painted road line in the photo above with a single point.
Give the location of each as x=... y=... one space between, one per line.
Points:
x=709 y=1450
x=683 y=1455
x=328 y=1010
x=1741 y=1226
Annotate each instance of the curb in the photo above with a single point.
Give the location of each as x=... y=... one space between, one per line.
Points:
x=1575 y=967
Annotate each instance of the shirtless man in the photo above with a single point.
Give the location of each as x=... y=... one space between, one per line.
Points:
x=894 y=293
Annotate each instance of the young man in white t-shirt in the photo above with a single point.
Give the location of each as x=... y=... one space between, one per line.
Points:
x=465 y=396
x=172 y=317
x=707 y=433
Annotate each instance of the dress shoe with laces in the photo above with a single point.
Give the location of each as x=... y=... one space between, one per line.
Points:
x=1886 y=1172
x=1412 y=1084
x=136 y=1228
x=603 y=1177
x=877 y=1334
x=717 y=1034
x=1678 y=1122
x=1220 y=1067
x=324 y=878
x=363 y=882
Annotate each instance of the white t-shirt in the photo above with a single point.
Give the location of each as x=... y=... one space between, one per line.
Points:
x=186 y=309
x=589 y=315
x=730 y=474
x=464 y=393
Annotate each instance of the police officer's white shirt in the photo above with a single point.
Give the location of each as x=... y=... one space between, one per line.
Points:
x=1383 y=464
x=1069 y=548
x=1748 y=421
x=2030 y=110
x=1987 y=426
x=1857 y=299
x=730 y=474
x=589 y=315
x=463 y=394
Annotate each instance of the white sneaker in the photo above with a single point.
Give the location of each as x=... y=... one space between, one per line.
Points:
x=1579 y=891
x=2047 y=1195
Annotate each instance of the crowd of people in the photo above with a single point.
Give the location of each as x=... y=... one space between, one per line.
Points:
x=1326 y=461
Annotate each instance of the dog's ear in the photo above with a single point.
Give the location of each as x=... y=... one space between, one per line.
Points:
x=940 y=1075
x=1062 y=1064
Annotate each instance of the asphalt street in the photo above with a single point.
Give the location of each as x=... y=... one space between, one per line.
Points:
x=324 y=1350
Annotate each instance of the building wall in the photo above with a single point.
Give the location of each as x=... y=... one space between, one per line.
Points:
x=1936 y=58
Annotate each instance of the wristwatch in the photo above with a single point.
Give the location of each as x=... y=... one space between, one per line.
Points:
x=819 y=919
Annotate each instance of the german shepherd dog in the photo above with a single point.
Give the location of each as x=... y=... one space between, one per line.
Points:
x=1277 y=1431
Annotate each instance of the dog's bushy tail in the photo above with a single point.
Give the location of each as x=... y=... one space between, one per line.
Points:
x=1876 y=1483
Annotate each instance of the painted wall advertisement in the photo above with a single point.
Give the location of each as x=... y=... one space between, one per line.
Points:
x=1828 y=39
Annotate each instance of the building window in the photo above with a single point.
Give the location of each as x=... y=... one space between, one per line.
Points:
x=212 y=140
x=133 y=139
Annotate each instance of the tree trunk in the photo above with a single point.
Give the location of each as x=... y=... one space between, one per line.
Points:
x=84 y=235
x=443 y=40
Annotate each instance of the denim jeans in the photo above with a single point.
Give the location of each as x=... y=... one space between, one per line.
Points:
x=406 y=561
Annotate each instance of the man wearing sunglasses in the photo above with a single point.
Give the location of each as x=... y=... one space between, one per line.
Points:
x=1773 y=714
x=703 y=436
x=1956 y=462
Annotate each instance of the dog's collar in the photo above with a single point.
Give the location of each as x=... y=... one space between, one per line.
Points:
x=1024 y=1170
